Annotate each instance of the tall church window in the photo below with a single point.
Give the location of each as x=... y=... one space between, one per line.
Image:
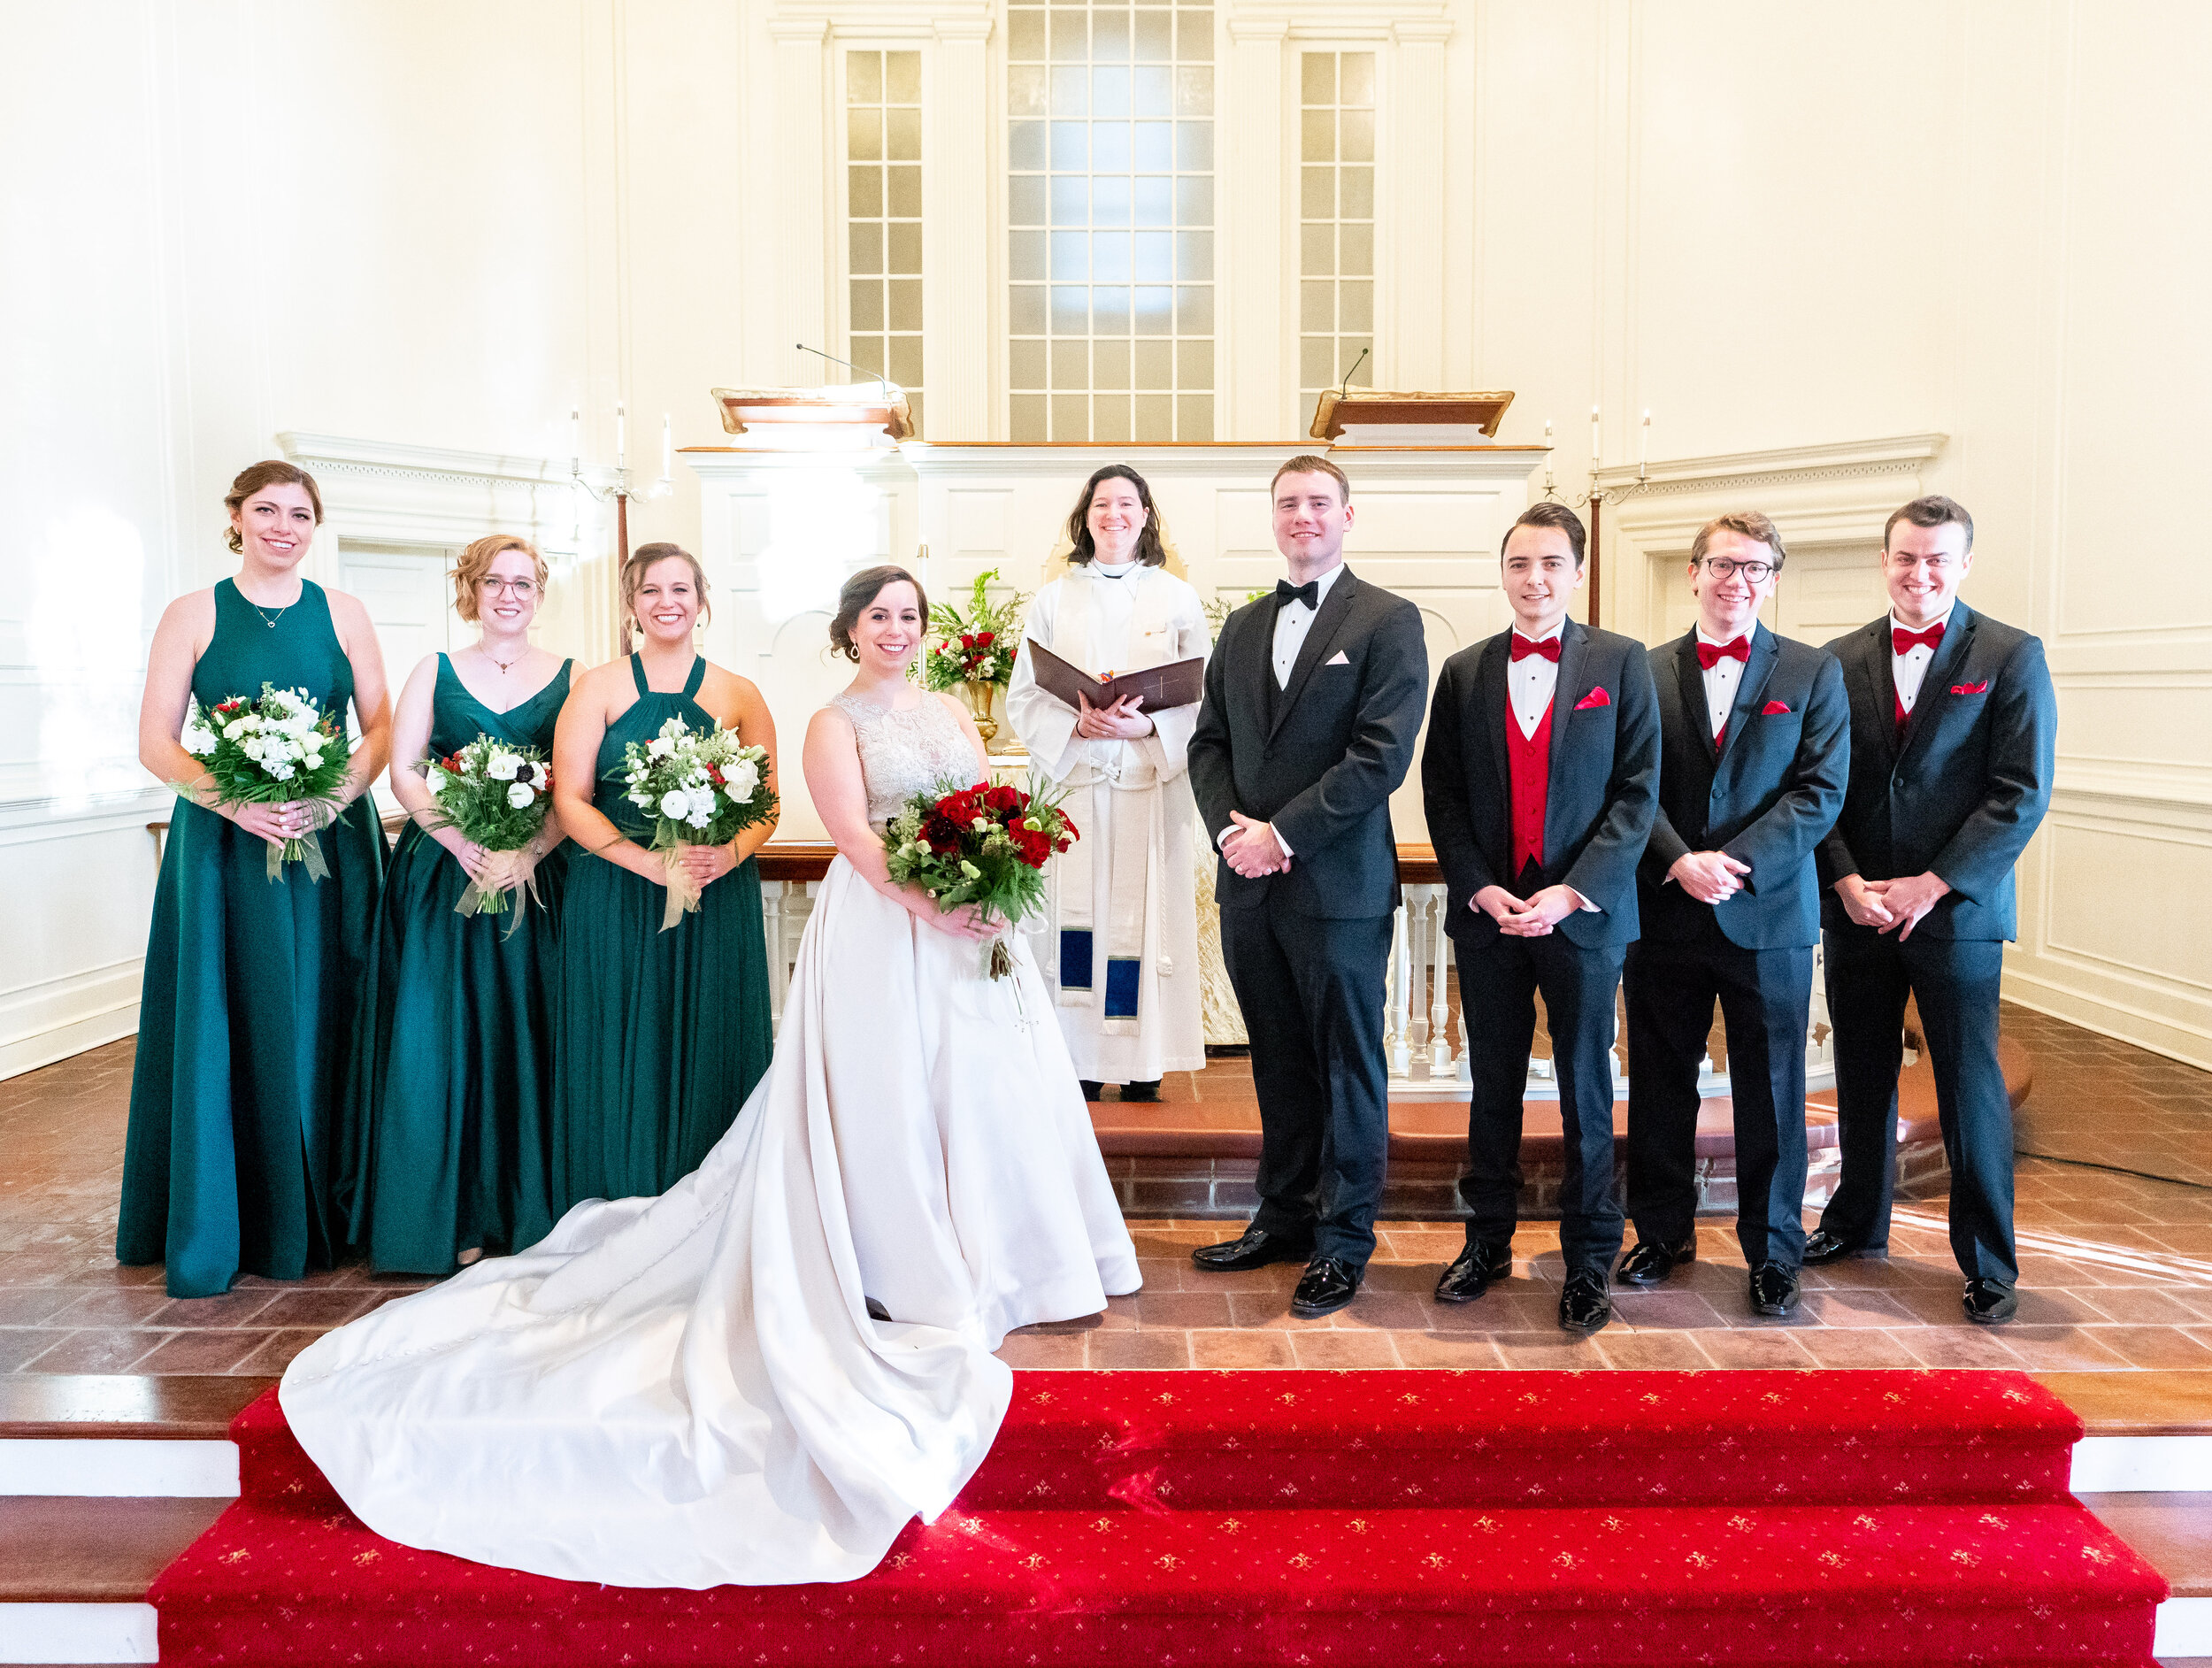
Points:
x=883 y=215
x=1336 y=221
x=1111 y=216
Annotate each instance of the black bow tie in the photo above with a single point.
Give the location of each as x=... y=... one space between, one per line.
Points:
x=1309 y=593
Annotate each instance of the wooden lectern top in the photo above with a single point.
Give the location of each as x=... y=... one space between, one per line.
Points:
x=1338 y=411
x=869 y=405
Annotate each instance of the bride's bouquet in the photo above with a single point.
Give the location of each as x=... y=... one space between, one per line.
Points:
x=272 y=749
x=701 y=788
x=497 y=795
x=984 y=845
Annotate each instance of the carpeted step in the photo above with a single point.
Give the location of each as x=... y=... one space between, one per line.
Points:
x=1252 y=1440
x=1915 y=1585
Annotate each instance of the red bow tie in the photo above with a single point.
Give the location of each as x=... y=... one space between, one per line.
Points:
x=1901 y=640
x=1549 y=648
x=1710 y=654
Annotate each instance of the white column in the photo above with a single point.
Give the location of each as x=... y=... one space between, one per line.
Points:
x=1397 y=1050
x=803 y=150
x=1417 y=1031
x=1410 y=348
x=961 y=233
x=772 y=894
x=1440 y=1061
x=1250 y=135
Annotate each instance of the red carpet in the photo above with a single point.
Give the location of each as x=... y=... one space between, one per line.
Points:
x=1345 y=1518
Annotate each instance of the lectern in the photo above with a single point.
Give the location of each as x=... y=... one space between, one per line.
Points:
x=847 y=417
x=1369 y=417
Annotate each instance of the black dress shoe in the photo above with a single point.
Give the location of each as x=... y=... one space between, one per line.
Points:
x=1990 y=1302
x=876 y=1311
x=1585 y=1305
x=1092 y=1091
x=1651 y=1261
x=1773 y=1289
x=1328 y=1285
x=1823 y=1247
x=1142 y=1091
x=1472 y=1270
x=1257 y=1247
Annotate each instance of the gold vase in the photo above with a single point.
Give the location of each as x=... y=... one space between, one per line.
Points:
x=982 y=699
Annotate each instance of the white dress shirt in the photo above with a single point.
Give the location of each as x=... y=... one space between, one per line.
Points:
x=1292 y=621
x=1530 y=682
x=1722 y=679
x=1907 y=669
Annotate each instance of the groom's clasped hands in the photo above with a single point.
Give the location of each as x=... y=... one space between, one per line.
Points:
x=1252 y=849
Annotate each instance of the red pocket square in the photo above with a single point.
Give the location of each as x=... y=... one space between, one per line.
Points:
x=1595 y=699
x=1971 y=689
x=1774 y=709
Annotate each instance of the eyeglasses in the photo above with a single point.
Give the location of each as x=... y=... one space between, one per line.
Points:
x=522 y=590
x=1722 y=567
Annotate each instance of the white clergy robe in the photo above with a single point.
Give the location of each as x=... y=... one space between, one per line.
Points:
x=1121 y=946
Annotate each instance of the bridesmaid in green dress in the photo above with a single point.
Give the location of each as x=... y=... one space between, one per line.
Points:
x=251 y=983
x=452 y=1094
x=659 y=1036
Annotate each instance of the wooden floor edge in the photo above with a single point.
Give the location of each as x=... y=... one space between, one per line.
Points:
x=2155 y=1403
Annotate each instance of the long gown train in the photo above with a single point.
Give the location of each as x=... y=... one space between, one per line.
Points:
x=688 y=1390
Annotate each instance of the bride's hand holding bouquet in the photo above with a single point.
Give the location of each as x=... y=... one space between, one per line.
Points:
x=276 y=766
x=701 y=788
x=979 y=854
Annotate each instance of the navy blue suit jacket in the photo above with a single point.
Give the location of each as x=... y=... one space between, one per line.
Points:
x=1965 y=790
x=1604 y=782
x=1767 y=796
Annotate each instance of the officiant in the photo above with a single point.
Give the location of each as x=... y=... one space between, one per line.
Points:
x=1121 y=953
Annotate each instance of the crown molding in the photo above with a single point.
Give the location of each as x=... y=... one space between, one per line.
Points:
x=1781 y=466
x=397 y=493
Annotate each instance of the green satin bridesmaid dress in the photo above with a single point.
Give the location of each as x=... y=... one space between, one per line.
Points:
x=249 y=1002
x=658 y=1036
x=451 y=1102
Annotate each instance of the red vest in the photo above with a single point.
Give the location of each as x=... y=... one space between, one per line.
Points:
x=1530 y=759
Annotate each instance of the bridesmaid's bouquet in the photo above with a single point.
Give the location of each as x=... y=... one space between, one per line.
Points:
x=702 y=787
x=273 y=749
x=986 y=845
x=498 y=796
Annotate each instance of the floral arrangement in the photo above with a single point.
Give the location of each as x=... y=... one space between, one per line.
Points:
x=700 y=788
x=977 y=646
x=497 y=795
x=986 y=845
x=277 y=749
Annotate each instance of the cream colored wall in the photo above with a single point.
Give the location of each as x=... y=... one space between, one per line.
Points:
x=1842 y=254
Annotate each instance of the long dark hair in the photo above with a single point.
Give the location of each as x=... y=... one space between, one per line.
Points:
x=1150 y=551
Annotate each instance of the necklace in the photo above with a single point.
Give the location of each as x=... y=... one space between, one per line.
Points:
x=505 y=666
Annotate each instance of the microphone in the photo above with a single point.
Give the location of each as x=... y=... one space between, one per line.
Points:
x=1345 y=388
x=847 y=363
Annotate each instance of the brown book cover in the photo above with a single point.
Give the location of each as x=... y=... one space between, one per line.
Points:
x=1181 y=684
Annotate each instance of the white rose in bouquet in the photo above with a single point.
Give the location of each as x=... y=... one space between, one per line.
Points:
x=740 y=780
x=660 y=747
x=675 y=805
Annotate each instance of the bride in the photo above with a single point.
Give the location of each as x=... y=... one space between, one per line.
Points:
x=763 y=1375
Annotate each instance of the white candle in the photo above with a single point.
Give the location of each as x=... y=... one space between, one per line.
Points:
x=1643 y=443
x=621 y=453
x=575 y=440
x=1548 y=454
x=668 y=451
x=1597 y=448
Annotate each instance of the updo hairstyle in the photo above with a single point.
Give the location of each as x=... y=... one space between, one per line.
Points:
x=273 y=472
x=634 y=576
x=476 y=561
x=860 y=591
x=1150 y=551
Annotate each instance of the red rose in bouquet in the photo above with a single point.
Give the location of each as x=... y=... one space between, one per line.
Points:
x=986 y=845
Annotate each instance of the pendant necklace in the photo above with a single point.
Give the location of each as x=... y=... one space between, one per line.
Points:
x=267 y=619
x=503 y=665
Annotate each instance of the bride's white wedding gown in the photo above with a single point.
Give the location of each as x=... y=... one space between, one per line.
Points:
x=688 y=1390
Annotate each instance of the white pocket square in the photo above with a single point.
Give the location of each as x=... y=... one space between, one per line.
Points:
x=1337 y=659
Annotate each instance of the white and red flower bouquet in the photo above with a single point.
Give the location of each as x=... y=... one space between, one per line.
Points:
x=702 y=787
x=498 y=796
x=275 y=748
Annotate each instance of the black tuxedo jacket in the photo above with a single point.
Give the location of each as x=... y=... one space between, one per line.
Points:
x=1319 y=759
x=1767 y=796
x=1966 y=788
x=1604 y=782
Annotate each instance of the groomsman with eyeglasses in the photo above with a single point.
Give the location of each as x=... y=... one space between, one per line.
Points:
x=1755 y=753
x=1953 y=727
x=1540 y=775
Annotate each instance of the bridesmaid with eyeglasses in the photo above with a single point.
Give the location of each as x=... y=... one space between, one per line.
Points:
x=230 y=1164
x=452 y=1088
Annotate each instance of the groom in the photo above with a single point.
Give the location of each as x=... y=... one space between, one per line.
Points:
x=1314 y=696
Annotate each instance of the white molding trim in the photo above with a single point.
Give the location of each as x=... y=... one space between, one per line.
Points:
x=78 y=1633
x=1780 y=466
x=391 y=492
x=167 y=1468
x=1347 y=21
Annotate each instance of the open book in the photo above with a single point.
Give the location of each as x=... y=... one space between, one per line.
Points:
x=1181 y=684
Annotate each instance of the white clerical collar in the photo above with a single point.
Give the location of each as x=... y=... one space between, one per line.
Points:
x=1896 y=624
x=1114 y=570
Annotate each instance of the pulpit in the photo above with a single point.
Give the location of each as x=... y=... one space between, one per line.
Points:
x=1372 y=417
x=845 y=417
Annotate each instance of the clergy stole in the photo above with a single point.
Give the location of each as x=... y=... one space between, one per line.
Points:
x=1119 y=830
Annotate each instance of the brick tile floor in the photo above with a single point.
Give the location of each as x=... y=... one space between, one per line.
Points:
x=2115 y=1217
